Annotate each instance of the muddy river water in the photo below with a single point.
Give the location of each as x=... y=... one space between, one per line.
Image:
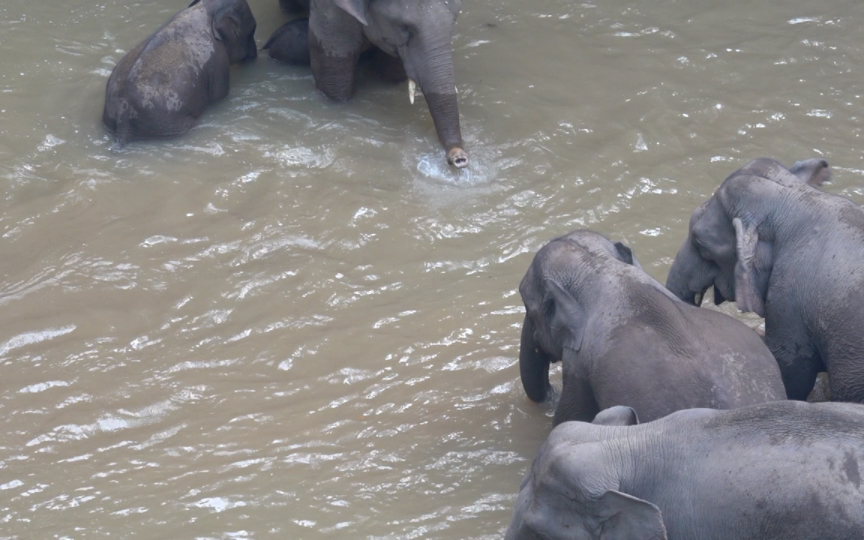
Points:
x=296 y=321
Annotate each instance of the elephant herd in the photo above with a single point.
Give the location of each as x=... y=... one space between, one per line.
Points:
x=163 y=85
x=727 y=448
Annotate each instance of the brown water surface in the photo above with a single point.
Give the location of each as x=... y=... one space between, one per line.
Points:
x=296 y=321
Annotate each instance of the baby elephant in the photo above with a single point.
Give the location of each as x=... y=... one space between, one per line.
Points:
x=161 y=87
x=775 y=471
x=625 y=340
x=290 y=43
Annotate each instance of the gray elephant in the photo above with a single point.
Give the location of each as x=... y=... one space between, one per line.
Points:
x=776 y=471
x=161 y=87
x=290 y=43
x=625 y=340
x=294 y=6
x=415 y=36
x=792 y=254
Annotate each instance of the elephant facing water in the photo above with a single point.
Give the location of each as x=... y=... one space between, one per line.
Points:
x=774 y=471
x=793 y=254
x=623 y=339
x=161 y=87
x=414 y=34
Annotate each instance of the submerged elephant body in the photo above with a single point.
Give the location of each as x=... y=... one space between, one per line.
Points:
x=775 y=471
x=290 y=43
x=161 y=87
x=625 y=340
x=415 y=36
x=792 y=254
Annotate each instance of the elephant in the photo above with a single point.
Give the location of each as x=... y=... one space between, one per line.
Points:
x=294 y=6
x=414 y=36
x=623 y=339
x=784 y=470
x=163 y=85
x=290 y=43
x=793 y=254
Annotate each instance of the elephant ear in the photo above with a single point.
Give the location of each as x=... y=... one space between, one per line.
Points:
x=624 y=517
x=624 y=252
x=814 y=171
x=746 y=294
x=355 y=8
x=619 y=415
x=569 y=318
x=225 y=25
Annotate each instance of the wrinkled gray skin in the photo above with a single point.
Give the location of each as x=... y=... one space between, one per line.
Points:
x=161 y=87
x=290 y=43
x=625 y=340
x=776 y=471
x=413 y=33
x=795 y=255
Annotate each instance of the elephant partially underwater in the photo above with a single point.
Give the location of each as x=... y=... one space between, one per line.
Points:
x=290 y=43
x=163 y=85
x=775 y=471
x=623 y=339
x=415 y=39
x=777 y=246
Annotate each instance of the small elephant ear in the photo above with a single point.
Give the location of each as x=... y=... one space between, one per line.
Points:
x=225 y=25
x=569 y=317
x=814 y=171
x=624 y=252
x=355 y=8
x=627 y=254
x=746 y=295
x=619 y=415
x=624 y=517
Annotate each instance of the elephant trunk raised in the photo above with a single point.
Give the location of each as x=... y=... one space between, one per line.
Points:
x=533 y=364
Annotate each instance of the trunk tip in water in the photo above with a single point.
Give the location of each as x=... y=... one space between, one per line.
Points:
x=457 y=157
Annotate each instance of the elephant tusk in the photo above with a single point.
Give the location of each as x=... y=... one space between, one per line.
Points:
x=412 y=86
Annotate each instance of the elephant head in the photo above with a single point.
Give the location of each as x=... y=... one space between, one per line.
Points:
x=234 y=26
x=619 y=415
x=560 y=515
x=555 y=312
x=418 y=32
x=730 y=241
x=814 y=171
x=571 y=491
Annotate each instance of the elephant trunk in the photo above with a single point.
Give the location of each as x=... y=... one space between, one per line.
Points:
x=533 y=364
x=678 y=282
x=432 y=70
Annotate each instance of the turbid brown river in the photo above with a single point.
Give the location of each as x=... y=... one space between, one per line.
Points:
x=296 y=321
